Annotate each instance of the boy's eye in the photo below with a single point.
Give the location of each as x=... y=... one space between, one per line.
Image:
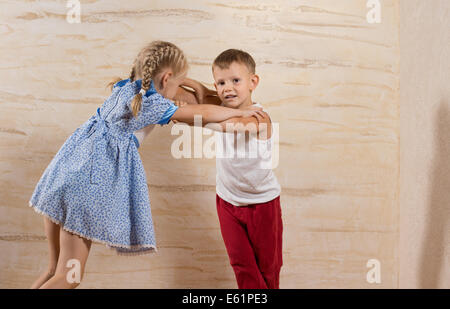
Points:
x=221 y=83
x=236 y=80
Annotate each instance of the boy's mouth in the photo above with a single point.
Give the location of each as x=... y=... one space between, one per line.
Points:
x=230 y=96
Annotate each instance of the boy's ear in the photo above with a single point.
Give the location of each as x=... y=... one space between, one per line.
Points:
x=215 y=85
x=254 y=81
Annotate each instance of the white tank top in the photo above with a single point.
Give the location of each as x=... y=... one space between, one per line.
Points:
x=244 y=176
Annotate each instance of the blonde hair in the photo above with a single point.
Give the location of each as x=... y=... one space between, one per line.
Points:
x=152 y=60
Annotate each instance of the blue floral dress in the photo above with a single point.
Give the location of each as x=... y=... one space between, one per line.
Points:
x=96 y=186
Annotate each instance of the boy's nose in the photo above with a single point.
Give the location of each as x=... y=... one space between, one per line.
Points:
x=227 y=88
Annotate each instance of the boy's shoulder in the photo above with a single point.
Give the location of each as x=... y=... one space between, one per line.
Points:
x=256 y=104
x=263 y=109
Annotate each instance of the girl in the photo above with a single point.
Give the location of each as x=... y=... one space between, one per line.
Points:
x=95 y=188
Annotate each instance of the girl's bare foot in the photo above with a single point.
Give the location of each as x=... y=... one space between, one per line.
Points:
x=42 y=279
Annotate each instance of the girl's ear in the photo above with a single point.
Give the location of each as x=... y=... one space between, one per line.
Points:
x=165 y=78
x=254 y=81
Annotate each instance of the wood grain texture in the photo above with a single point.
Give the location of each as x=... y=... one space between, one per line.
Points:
x=328 y=78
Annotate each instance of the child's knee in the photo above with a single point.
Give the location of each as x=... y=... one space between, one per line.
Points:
x=70 y=279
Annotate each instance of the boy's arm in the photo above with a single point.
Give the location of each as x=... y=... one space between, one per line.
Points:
x=201 y=93
x=185 y=95
x=213 y=100
x=259 y=124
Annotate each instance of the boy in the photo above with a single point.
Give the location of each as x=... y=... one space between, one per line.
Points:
x=248 y=193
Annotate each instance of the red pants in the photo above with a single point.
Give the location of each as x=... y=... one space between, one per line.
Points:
x=253 y=237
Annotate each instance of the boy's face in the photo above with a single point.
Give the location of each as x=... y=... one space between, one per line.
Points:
x=234 y=84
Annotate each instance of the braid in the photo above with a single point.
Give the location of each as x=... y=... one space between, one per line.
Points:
x=150 y=64
x=148 y=69
x=155 y=57
x=132 y=74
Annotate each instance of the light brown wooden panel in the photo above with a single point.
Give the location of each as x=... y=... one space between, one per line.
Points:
x=328 y=78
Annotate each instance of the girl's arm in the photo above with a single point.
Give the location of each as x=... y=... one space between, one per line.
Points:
x=259 y=124
x=211 y=113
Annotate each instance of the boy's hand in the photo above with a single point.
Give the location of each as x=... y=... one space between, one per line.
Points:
x=201 y=92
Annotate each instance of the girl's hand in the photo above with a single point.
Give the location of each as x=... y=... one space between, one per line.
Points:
x=252 y=111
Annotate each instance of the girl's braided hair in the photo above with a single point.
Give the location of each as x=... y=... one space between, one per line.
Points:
x=152 y=60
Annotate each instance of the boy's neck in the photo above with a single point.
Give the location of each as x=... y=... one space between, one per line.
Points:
x=246 y=103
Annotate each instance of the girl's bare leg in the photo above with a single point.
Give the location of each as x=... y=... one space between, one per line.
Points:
x=52 y=233
x=74 y=248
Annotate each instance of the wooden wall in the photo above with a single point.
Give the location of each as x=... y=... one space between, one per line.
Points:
x=425 y=145
x=328 y=78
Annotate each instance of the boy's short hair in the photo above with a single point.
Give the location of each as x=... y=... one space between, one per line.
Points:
x=229 y=56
